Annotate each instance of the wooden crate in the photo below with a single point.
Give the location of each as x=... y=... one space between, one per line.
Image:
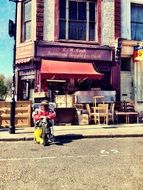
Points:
x=83 y=119
x=64 y=101
x=22 y=113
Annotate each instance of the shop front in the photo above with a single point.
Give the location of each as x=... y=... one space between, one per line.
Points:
x=59 y=70
x=131 y=73
x=80 y=66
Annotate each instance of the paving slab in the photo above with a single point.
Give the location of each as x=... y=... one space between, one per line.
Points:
x=71 y=131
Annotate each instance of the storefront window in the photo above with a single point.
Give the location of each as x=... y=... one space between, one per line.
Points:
x=77 y=20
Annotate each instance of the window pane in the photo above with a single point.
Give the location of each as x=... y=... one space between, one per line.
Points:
x=140 y=31
x=81 y=31
x=91 y=31
x=134 y=13
x=79 y=16
x=27 y=30
x=62 y=30
x=137 y=31
x=140 y=13
x=72 y=30
x=136 y=21
x=73 y=10
x=81 y=11
x=92 y=11
x=62 y=9
x=133 y=31
x=27 y=11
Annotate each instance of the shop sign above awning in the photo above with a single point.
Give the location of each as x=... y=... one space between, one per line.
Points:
x=66 y=70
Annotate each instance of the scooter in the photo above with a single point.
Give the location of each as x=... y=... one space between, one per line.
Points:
x=44 y=133
x=47 y=130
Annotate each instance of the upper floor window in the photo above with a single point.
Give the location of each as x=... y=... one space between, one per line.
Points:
x=26 y=20
x=77 y=20
x=136 y=21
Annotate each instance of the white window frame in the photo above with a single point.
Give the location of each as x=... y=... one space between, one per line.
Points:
x=23 y=32
x=87 y=20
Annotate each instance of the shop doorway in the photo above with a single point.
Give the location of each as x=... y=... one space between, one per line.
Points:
x=126 y=86
x=126 y=92
x=55 y=87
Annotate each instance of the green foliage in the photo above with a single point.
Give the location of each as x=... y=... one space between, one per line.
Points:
x=3 y=88
x=8 y=84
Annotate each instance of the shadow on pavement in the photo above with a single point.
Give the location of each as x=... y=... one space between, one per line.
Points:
x=64 y=139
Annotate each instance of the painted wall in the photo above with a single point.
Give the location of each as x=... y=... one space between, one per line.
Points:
x=49 y=20
x=107 y=22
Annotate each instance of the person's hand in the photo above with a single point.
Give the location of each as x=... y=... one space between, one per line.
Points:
x=42 y=117
x=48 y=117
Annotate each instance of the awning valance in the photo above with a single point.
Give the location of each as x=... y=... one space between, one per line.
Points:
x=65 y=70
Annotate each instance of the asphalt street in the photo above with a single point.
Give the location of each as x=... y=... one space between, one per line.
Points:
x=75 y=164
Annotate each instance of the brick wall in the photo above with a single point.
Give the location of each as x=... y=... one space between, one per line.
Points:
x=117 y=18
x=39 y=19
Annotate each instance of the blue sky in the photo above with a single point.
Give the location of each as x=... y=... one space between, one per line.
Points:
x=7 y=11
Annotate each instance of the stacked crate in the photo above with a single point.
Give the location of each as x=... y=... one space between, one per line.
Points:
x=64 y=101
x=22 y=113
x=83 y=119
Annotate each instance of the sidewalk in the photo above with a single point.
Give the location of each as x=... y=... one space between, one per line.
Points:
x=82 y=131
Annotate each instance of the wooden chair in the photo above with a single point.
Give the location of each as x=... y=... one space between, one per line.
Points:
x=101 y=112
x=111 y=112
x=90 y=113
x=79 y=108
x=98 y=99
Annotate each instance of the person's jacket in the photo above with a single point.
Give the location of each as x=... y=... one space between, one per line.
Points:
x=39 y=113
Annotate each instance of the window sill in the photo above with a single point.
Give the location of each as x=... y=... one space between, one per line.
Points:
x=79 y=42
x=26 y=41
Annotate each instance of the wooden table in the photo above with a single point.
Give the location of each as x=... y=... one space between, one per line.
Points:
x=127 y=115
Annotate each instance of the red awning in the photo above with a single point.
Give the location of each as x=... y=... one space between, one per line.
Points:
x=63 y=70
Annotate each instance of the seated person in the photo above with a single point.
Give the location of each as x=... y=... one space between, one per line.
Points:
x=43 y=111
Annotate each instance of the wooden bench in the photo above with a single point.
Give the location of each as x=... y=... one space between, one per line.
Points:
x=127 y=116
x=126 y=109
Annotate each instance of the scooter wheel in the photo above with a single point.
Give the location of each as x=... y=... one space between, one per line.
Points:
x=45 y=143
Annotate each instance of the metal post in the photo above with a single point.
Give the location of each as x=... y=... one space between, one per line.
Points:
x=13 y=102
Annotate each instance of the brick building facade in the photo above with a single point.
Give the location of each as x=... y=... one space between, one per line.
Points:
x=46 y=34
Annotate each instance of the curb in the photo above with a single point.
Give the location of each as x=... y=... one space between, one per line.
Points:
x=74 y=136
x=17 y=139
